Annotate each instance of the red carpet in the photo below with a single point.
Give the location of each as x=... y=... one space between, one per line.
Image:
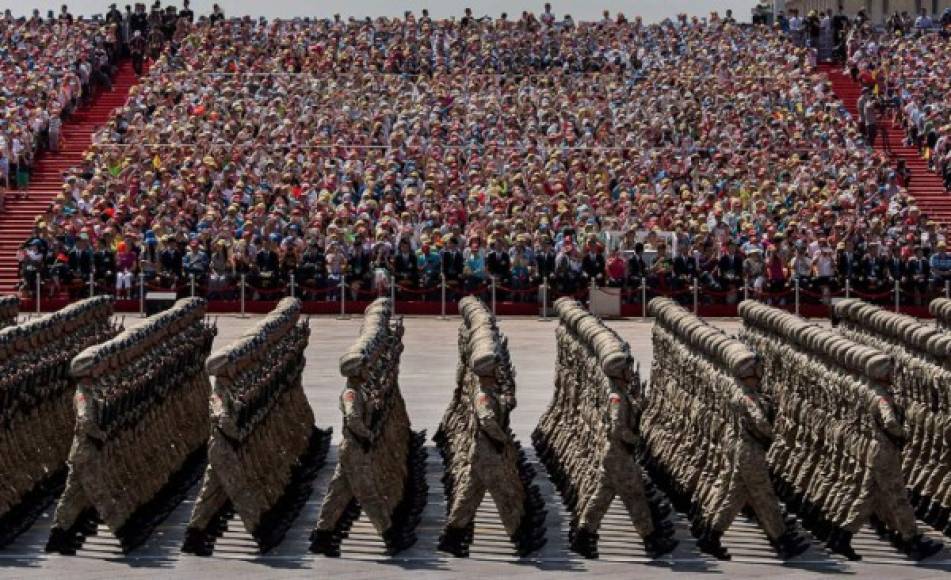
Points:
x=16 y=221
x=926 y=186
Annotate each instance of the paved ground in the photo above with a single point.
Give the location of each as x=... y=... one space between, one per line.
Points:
x=426 y=378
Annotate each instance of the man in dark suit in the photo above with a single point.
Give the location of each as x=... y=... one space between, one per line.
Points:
x=593 y=264
x=452 y=267
x=545 y=260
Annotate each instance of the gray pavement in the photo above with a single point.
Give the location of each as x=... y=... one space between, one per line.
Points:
x=426 y=377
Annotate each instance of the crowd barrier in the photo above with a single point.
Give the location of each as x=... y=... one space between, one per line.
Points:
x=141 y=430
x=480 y=452
x=264 y=450
x=441 y=298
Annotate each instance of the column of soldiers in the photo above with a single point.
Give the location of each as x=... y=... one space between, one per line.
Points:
x=141 y=428
x=264 y=450
x=588 y=436
x=922 y=389
x=836 y=458
x=36 y=405
x=706 y=433
x=381 y=461
x=9 y=309
x=480 y=452
x=940 y=308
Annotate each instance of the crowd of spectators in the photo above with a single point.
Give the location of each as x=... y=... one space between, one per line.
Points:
x=908 y=67
x=365 y=153
x=48 y=66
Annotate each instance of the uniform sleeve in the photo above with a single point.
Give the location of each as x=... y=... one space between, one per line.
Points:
x=488 y=418
x=221 y=413
x=86 y=414
x=758 y=422
x=887 y=415
x=620 y=427
x=351 y=404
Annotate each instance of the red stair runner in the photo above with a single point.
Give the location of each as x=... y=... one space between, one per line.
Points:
x=46 y=180
x=927 y=186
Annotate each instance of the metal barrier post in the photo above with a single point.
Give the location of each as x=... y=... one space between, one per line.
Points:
x=797 y=296
x=643 y=297
x=442 y=283
x=947 y=288
x=545 y=298
x=343 y=297
x=897 y=297
x=142 y=294
x=243 y=289
x=293 y=294
x=191 y=282
x=696 y=295
x=92 y=283
x=39 y=291
x=746 y=288
x=848 y=288
x=493 y=294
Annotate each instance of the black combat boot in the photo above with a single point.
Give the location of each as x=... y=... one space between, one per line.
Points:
x=920 y=547
x=941 y=520
x=790 y=545
x=324 y=542
x=585 y=543
x=454 y=541
x=934 y=512
x=197 y=542
x=709 y=543
x=61 y=541
x=397 y=540
x=530 y=535
x=840 y=542
x=659 y=510
x=657 y=544
x=664 y=528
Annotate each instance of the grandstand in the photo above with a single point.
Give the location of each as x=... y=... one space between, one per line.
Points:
x=518 y=159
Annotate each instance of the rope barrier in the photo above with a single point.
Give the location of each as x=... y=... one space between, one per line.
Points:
x=872 y=296
x=417 y=291
x=518 y=290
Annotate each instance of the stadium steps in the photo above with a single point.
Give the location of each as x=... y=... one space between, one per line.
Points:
x=46 y=181
x=926 y=186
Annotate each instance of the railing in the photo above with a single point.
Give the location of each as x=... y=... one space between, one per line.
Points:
x=336 y=295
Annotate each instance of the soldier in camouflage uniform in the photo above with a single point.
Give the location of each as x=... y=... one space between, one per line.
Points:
x=837 y=456
x=589 y=433
x=922 y=389
x=479 y=450
x=706 y=432
x=264 y=450
x=36 y=411
x=381 y=461
x=142 y=442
